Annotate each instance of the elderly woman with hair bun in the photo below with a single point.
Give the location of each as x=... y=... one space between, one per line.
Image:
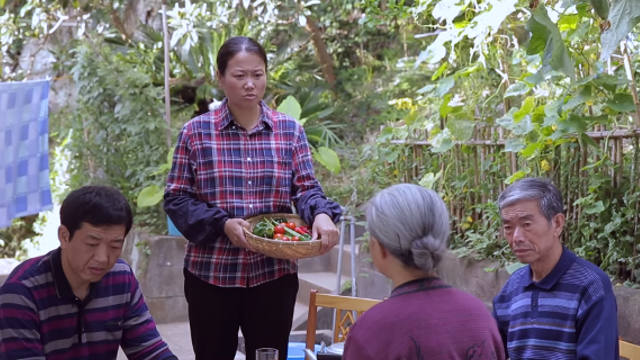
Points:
x=423 y=318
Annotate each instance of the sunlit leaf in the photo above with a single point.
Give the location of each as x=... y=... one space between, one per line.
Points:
x=429 y=179
x=440 y=71
x=624 y=15
x=291 y=107
x=512 y=267
x=150 y=195
x=448 y=9
x=568 y=22
x=527 y=106
x=513 y=145
x=441 y=142
x=445 y=109
x=328 y=158
x=516 y=176
x=594 y=208
x=517 y=89
x=445 y=85
x=467 y=71
x=546 y=39
x=532 y=149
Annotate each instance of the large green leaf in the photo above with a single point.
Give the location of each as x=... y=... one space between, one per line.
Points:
x=601 y=7
x=583 y=95
x=445 y=109
x=461 y=129
x=445 y=85
x=574 y=124
x=291 y=107
x=441 y=142
x=512 y=267
x=527 y=106
x=513 y=145
x=440 y=71
x=622 y=103
x=546 y=39
x=594 y=208
x=429 y=179
x=624 y=15
x=150 y=196
x=328 y=158
x=517 y=89
x=517 y=176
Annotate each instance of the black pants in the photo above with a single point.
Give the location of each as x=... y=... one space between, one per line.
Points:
x=264 y=314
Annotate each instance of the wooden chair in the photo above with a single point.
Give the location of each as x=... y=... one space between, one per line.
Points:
x=344 y=307
x=629 y=350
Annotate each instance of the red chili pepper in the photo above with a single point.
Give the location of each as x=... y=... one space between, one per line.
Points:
x=279 y=229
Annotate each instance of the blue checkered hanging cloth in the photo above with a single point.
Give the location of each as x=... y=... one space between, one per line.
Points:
x=24 y=149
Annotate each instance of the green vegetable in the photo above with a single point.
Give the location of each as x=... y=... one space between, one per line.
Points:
x=263 y=228
x=303 y=237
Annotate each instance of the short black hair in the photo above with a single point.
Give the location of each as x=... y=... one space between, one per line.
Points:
x=235 y=45
x=96 y=205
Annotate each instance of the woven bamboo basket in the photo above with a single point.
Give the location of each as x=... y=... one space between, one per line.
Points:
x=290 y=250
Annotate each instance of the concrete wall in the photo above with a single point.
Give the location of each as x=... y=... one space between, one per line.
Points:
x=157 y=262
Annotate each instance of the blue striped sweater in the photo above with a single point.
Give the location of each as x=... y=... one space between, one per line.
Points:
x=570 y=314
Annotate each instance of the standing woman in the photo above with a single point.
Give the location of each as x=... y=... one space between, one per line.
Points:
x=240 y=160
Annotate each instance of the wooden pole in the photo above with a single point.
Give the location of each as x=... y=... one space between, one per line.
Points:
x=167 y=96
x=632 y=83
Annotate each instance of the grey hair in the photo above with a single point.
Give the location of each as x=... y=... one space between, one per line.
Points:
x=411 y=222
x=548 y=196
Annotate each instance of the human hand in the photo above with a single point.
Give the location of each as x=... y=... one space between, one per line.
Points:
x=324 y=229
x=233 y=229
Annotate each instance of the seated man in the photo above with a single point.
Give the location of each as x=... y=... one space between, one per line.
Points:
x=80 y=301
x=559 y=306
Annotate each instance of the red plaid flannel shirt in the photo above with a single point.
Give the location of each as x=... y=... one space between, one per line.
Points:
x=222 y=171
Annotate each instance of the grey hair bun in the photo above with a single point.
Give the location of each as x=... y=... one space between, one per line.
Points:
x=427 y=252
x=412 y=222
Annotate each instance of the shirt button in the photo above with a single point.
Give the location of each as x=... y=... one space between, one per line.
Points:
x=249 y=182
x=248 y=159
x=251 y=206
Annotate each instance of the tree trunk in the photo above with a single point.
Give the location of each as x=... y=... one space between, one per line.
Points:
x=326 y=61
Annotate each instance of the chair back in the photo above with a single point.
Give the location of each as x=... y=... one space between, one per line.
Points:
x=628 y=350
x=345 y=307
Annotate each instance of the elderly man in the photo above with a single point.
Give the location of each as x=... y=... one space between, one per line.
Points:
x=559 y=306
x=80 y=301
